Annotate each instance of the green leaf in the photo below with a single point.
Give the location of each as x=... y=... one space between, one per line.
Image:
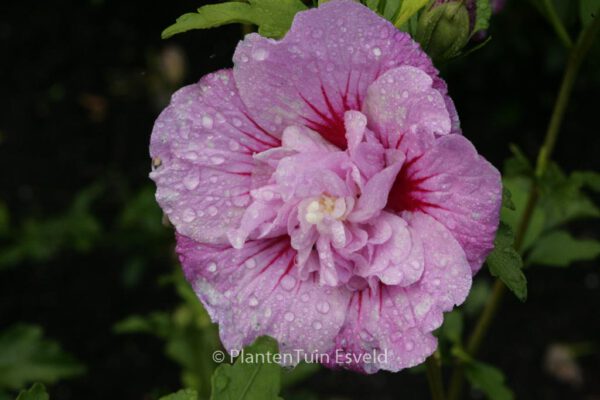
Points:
x=299 y=373
x=25 y=356
x=453 y=326
x=519 y=188
x=560 y=249
x=246 y=380
x=507 y=199
x=373 y=4
x=589 y=179
x=505 y=263
x=518 y=164
x=562 y=198
x=407 y=9
x=483 y=13
x=273 y=17
x=489 y=380
x=157 y=323
x=183 y=394
x=36 y=392
x=588 y=10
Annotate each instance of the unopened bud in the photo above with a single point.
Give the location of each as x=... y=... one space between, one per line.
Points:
x=443 y=30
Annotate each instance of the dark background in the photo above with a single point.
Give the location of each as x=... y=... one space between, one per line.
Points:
x=81 y=84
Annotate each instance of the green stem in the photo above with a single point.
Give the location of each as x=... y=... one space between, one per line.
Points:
x=576 y=57
x=434 y=376
x=556 y=23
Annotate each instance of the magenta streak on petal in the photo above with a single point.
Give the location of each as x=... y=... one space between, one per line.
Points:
x=287 y=271
x=277 y=256
x=263 y=130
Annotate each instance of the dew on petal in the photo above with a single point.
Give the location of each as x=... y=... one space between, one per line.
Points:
x=211 y=267
x=212 y=211
x=260 y=54
x=323 y=307
x=207 y=122
x=252 y=301
x=188 y=215
x=288 y=282
x=289 y=316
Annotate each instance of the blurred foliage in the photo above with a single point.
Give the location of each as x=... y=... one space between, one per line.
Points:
x=26 y=356
x=36 y=392
x=39 y=240
x=563 y=199
x=189 y=335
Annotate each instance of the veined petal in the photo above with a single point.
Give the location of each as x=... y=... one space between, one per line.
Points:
x=396 y=322
x=202 y=146
x=459 y=188
x=257 y=291
x=322 y=67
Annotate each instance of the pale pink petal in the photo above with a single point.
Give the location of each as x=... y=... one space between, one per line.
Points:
x=402 y=100
x=202 y=146
x=397 y=322
x=458 y=187
x=322 y=67
x=375 y=193
x=256 y=291
x=397 y=257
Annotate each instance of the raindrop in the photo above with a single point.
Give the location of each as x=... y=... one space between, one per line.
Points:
x=288 y=282
x=191 y=181
x=323 y=307
x=250 y=263
x=377 y=51
x=253 y=301
x=260 y=54
x=189 y=215
x=212 y=211
x=207 y=122
x=217 y=160
x=212 y=267
x=317 y=325
x=289 y=317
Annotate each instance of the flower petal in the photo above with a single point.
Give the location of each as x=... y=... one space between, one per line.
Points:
x=458 y=187
x=397 y=322
x=202 y=146
x=402 y=100
x=322 y=67
x=257 y=291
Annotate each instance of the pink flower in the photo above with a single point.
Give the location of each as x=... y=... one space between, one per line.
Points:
x=322 y=192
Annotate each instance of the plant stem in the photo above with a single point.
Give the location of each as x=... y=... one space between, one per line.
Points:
x=576 y=57
x=434 y=377
x=556 y=23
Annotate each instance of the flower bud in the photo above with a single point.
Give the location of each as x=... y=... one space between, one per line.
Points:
x=444 y=29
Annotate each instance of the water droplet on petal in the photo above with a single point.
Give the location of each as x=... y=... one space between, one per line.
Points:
x=217 y=160
x=212 y=211
x=191 y=181
x=409 y=345
x=288 y=282
x=305 y=297
x=377 y=51
x=212 y=267
x=260 y=54
x=323 y=307
x=289 y=317
x=233 y=145
x=253 y=301
x=317 y=325
x=207 y=122
x=250 y=263
x=189 y=215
